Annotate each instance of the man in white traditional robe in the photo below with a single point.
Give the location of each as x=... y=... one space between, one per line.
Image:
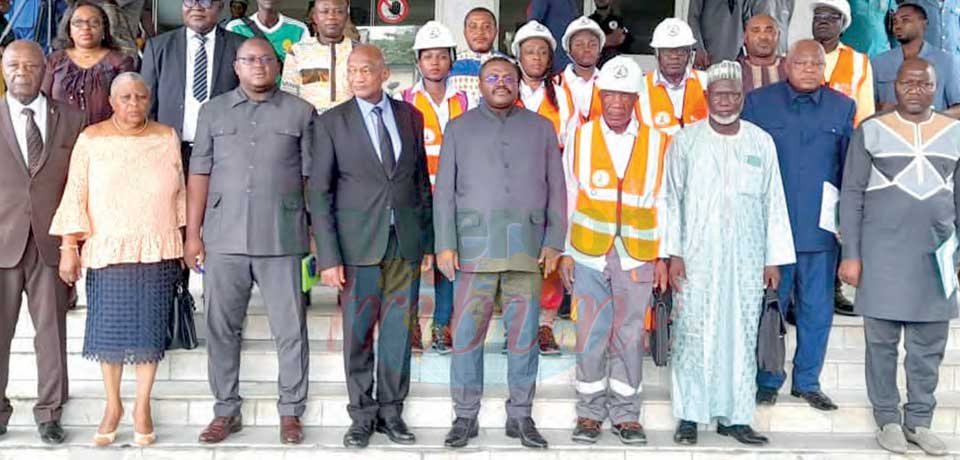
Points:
x=728 y=230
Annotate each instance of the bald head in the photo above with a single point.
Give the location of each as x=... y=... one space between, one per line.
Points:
x=915 y=88
x=761 y=36
x=256 y=43
x=916 y=64
x=257 y=67
x=806 y=62
x=366 y=72
x=23 y=69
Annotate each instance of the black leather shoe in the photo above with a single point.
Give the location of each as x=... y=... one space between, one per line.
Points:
x=630 y=433
x=587 y=430
x=743 y=434
x=358 y=435
x=816 y=399
x=686 y=434
x=51 y=432
x=462 y=431
x=766 y=396
x=525 y=429
x=396 y=430
x=3 y=430
x=841 y=305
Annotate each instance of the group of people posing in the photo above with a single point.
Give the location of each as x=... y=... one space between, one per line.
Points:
x=512 y=185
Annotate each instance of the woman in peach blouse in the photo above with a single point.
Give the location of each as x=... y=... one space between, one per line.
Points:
x=125 y=200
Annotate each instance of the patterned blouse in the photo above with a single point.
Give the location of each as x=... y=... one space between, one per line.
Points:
x=86 y=89
x=125 y=196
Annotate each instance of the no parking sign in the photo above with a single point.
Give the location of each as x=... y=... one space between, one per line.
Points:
x=393 y=11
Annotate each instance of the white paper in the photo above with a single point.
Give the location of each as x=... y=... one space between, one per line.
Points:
x=828 y=208
x=948 y=273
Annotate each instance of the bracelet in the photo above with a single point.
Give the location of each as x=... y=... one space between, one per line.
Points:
x=64 y=248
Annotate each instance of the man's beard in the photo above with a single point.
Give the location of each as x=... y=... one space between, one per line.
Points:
x=725 y=120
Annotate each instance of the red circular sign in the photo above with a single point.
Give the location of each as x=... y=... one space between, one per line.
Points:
x=393 y=11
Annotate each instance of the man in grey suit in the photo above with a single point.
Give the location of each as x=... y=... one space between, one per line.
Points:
x=38 y=136
x=246 y=194
x=371 y=206
x=186 y=67
x=500 y=209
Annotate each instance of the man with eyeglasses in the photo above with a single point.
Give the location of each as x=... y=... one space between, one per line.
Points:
x=316 y=68
x=846 y=70
x=909 y=25
x=246 y=197
x=500 y=226
x=811 y=126
x=269 y=24
x=480 y=32
x=898 y=210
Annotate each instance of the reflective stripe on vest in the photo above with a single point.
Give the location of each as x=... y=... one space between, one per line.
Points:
x=595 y=108
x=656 y=108
x=432 y=131
x=608 y=206
x=850 y=73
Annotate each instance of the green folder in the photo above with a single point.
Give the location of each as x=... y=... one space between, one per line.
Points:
x=309 y=275
x=945 y=265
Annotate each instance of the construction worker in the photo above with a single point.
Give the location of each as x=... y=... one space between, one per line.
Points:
x=583 y=42
x=440 y=101
x=613 y=259
x=672 y=96
x=533 y=47
x=847 y=71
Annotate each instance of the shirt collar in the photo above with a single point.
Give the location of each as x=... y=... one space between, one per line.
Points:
x=658 y=79
x=527 y=91
x=486 y=110
x=631 y=130
x=571 y=75
x=210 y=35
x=366 y=108
x=794 y=94
x=280 y=20
x=37 y=105
x=238 y=96
x=450 y=94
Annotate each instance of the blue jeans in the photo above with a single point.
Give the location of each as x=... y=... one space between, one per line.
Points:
x=443 y=300
x=811 y=283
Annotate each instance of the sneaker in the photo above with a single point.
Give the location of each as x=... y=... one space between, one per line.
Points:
x=548 y=344
x=630 y=433
x=587 y=430
x=416 y=341
x=442 y=343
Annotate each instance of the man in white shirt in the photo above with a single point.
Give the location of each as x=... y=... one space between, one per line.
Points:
x=613 y=258
x=583 y=41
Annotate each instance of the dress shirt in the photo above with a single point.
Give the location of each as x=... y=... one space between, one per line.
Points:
x=532 y=98
x=887 y=64
x=39 y=107
x=864 y=98
x=675 y=92
x=443 y=109
x=811 y=132
x=943 y=24
x=582 y=89
x=868 y=29
x=191 y=106
x=370 y=119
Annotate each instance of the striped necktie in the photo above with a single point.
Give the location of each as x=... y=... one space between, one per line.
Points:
x=200 y=70
x=34 y=142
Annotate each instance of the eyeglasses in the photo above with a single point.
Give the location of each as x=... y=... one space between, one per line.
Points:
x=253 y=60
x=86 y=23
x=205 y=4
x=492 y=80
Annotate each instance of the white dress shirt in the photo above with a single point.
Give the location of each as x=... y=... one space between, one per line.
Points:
x=443 y=109
x=191 y=106
x=675 y=92
x=532 y=98
x=582 y=89
x=19 y=120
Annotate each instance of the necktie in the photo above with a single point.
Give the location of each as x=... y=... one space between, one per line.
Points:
x=34 y=142
x=200 y=70
x=732 y=4
x=386 y=144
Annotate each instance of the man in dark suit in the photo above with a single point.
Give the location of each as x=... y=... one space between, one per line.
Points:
x=186 y=67
x=371 y=206
x=38 y=136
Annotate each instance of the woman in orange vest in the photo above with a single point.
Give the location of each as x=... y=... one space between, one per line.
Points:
x=583 y=42
x=533 y=47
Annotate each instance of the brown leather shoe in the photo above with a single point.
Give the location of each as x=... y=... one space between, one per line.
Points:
x=291 y=431
x=220 y=429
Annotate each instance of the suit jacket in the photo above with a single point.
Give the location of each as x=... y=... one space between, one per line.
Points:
x=164 y=68
x=27 y=204
x=352 y=197
x=501 y=194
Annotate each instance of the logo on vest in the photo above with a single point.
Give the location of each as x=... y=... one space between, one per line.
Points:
x=661 y=118
x=600 y=179
x=429 y=137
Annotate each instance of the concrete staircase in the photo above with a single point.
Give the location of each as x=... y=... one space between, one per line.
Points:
x=183 y=405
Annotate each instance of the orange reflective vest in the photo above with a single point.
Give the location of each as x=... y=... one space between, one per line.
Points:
x=657 y=110
x=595 y=108
x=850 y=73
x=607 y=206
x=558 y=116
x=432 y=130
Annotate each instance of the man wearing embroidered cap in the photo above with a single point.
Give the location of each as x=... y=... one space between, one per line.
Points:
x=847 y=70
x=583 y=42
x=672 y=95
x=614 y=257
x=727 y=231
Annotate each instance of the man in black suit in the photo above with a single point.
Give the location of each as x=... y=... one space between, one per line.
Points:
x=372 y=213
x=188 y=66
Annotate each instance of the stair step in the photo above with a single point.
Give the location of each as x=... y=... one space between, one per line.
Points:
x=429 y=406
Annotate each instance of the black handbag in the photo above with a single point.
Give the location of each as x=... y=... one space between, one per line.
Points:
x=181 y=329
x=659 y=326
x=771 y=335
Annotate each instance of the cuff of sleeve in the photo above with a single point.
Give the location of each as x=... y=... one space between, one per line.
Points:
x=850 y=252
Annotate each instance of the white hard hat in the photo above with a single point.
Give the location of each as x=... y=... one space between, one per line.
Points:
x=433 y=35
x=840 y=5
x=621 y=74
x=672 y=33
x=532 y=29
x=580 y=24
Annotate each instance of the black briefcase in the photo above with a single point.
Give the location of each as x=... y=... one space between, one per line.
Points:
x=181 y=328
x=771 y=335
x=659 y=327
